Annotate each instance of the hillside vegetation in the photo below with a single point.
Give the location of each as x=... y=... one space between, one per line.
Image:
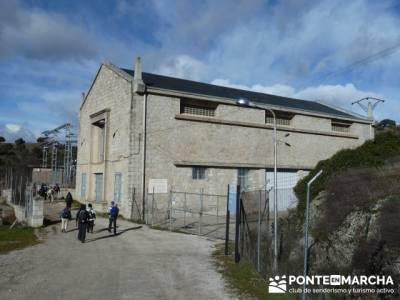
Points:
x=354 y=215
x=20 y=154
x=374 y=153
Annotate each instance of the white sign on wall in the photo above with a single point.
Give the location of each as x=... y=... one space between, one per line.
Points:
x=158 y=186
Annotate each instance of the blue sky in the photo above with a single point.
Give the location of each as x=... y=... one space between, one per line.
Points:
x=50 y=50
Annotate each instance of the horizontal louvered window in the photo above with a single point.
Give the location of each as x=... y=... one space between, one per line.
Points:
x=198 y=107
x=340 y=127
x=282 y=118
x=198 y=110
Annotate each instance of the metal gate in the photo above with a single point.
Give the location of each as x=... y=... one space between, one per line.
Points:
x=196 y=213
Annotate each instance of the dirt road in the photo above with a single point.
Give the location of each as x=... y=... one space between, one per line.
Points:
x=138 y=263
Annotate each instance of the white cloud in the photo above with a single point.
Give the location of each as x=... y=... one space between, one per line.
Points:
x=183 y=66
x=11 y=132
x=280 y=47
x=13 y=127
x=276 y=89
x=340 y=95
x=300 y=43
x=337 y=95
x=41 y=35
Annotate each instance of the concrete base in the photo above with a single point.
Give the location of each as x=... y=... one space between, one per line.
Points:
x=36 y=217
x=33 y=215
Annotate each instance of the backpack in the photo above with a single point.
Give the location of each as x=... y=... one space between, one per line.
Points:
x=83 y=216
x=114 y=212
x=65 y=214
x=91 y=214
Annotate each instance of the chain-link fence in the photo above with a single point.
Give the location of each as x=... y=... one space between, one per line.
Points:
x=17 y=189
x=255 y=238
x=17 y=183
x=254 y=232
x=196 y=213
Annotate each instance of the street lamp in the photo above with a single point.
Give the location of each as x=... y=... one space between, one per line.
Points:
x=246 y=102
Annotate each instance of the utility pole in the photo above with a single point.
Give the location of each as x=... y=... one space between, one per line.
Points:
x=246 y=102
x=50 y=139
x=369 y=108
x=44 y=156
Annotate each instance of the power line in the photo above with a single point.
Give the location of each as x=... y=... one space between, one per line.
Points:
x=373 y=57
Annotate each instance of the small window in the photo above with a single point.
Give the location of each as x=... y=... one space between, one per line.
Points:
x=98 y=187
x=198 y=173
x=200 y=108
x=117 y=187
x=282 y=118
x=340 y=126
x=243 y=178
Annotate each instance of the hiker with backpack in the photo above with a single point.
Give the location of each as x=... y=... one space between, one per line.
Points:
x=82 y=219
x=77 y=215
x=92 y=217
x=113 y=212
x=65 y=215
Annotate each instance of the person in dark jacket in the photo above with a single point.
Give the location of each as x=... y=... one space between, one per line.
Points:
x=43 y=191
x=83 y=218
x=113 y=212
x=68 y=200
x=77 y=215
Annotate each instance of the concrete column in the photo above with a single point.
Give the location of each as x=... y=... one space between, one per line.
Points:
x=36 y=218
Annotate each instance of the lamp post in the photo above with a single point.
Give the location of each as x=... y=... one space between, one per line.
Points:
x=306 y=224
x=245 y=102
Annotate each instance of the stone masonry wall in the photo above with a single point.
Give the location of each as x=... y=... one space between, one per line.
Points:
x=175 y=145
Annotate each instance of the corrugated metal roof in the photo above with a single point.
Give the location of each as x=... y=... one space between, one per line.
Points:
x=195 y=87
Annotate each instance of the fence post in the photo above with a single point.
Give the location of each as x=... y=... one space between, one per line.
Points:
x=237 y=254
x=243 y=221
x=217 y=216
x=133 y=202
x=259 y=231
x=20 y=192
x=152 y=209
x=201 y=210
x=184 y=210
x=227 y=223
x=170 y=210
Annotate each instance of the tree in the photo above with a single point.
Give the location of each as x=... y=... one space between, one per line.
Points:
x=41 y=139
x=19 y=142
x=2 y=139
x=385 y=124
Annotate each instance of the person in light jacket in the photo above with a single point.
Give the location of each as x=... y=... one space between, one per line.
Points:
x=65 y=217
x=92 y=217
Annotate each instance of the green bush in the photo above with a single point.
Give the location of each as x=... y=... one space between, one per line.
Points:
x=372 y=153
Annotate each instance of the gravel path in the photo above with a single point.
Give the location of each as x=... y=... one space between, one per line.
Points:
x=138 y=263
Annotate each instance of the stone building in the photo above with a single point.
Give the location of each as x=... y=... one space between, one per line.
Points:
x=142 y=132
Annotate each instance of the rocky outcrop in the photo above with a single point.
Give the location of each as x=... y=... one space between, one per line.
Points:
x=366 y=242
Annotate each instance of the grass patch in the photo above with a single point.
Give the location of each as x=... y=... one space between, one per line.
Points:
x=243 y=277
x=16 y=238
x=158 y=227
x=75 y=204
